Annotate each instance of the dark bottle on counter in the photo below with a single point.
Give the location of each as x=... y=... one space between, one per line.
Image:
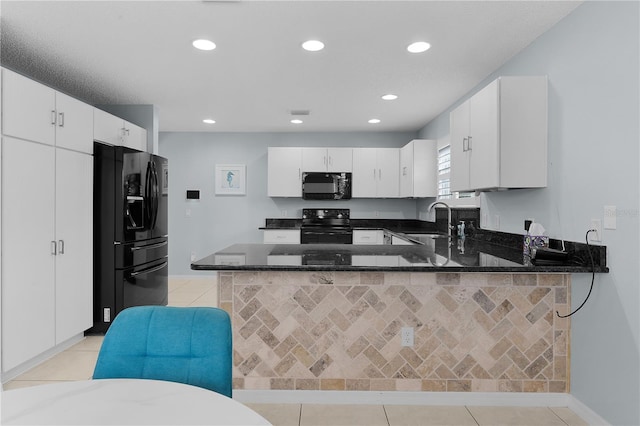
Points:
x=470 y=229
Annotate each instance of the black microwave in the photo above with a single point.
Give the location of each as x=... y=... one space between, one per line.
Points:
x=326 y=186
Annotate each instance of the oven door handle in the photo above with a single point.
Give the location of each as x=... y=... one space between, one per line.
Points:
x=150 y=246
x=149 y=270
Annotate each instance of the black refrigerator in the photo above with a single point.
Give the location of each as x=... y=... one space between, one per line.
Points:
x=130 y=231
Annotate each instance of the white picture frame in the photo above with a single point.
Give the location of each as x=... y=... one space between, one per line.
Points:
x=231 y=179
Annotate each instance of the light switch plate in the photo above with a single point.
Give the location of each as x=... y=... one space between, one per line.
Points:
x=610 y=213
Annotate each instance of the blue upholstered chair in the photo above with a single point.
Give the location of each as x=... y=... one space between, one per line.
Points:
x=186 y=345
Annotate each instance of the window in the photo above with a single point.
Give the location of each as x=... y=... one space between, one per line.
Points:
x=444 y=168
x=444 y=177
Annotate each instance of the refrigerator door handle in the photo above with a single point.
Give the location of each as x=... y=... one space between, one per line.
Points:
x=156 y=195
x=148 y=271
x=148 y=195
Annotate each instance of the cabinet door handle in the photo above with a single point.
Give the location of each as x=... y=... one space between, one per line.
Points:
x=53 y=248
x=60 y=246
x=464 y=144
x=61 y=120
x=380 y=174
x=469 y=148
x=53 y=117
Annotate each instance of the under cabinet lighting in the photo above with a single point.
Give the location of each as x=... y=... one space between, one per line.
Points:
x=374 y=121
x=203 y=44
x=209 y=121
x=390 y=97
x=296 y=121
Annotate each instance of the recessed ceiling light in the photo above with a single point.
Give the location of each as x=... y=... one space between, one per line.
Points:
x=374 y=121
x=296 y=121
x=390 y=97
x=203 y=44
x=209 y=121
x=313 y=45
x=418 y=47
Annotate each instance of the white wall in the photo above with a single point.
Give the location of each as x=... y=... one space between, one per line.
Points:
x=591 y=59
x=219 y=221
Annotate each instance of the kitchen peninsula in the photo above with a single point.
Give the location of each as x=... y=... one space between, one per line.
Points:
x=329 y=317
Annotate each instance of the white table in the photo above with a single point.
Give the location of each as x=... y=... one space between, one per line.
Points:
x=123 y=401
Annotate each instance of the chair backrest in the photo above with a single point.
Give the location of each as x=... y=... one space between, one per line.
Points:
x=186 y=345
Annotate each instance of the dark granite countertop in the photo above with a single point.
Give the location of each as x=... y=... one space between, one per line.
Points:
x=433 y=254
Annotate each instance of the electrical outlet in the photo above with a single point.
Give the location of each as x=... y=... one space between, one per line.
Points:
x=596 y=225
x=406 y=336
x=187 y=213
x=193 y=256
x=376 y=213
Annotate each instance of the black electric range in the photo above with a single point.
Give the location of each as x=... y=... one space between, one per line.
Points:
x=326 y=226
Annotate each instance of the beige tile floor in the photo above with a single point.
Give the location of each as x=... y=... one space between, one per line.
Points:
x=77 y=363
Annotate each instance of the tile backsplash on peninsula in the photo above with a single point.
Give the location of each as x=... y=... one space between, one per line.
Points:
x=340 y=331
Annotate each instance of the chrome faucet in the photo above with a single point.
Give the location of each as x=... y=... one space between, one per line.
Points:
x=449 y=225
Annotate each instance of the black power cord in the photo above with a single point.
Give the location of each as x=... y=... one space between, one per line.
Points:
x=593 y=277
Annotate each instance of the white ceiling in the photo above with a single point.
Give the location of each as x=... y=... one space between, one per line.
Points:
x=125 y=52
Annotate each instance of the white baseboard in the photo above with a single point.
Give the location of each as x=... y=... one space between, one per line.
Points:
x=208 y=276
x=33 y=362
x=486 y=399
x=511 y=399
x=587 y=414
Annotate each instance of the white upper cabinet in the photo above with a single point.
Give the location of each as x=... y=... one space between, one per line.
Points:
x=74 y=127
x=107 y=127
x=115 y=131
x=135 y=137
x=499 y=136
x=284 y=172
x=38 y=113
x=376 y=173
x=419 y=169
x=327 y=159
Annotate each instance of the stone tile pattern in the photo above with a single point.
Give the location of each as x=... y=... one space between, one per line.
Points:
x=341 y=331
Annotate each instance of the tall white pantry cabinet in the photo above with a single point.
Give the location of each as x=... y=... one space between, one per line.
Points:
x=47 y=218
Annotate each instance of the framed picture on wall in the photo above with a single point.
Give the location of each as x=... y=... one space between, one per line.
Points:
x=231 y=179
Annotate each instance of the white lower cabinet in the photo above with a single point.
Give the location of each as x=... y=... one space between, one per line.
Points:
x=28 y=265
x=364 y=260
x=281 y=236
x=368 y=236
x=47 y=261
x=74 y=261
